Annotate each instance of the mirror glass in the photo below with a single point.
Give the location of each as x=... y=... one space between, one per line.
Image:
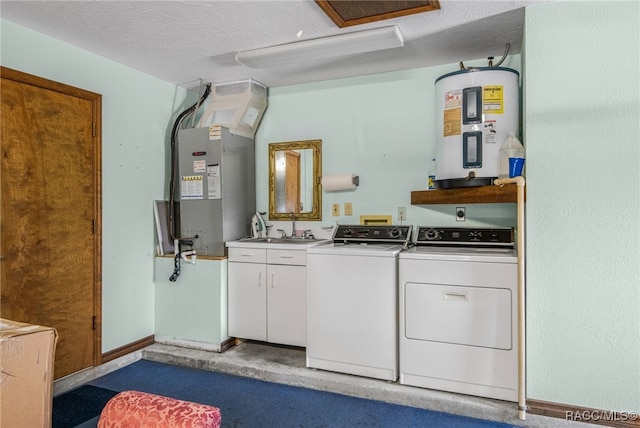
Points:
x=294 y=180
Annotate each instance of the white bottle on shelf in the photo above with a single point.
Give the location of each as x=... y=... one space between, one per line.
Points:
x=511 y=148
x=432 y=174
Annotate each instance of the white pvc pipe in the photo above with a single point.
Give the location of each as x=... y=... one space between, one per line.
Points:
x=191 y=253
x=522 y=391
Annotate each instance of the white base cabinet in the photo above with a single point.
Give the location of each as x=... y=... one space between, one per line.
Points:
x=191 y=313
x=247 y=300
x=267 y=295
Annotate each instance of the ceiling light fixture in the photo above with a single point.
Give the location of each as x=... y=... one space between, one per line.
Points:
x=323 y=47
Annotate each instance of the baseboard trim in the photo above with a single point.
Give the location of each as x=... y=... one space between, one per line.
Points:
x=192 y=344
x=81 y=377
x=584 y=414
x=128 y=348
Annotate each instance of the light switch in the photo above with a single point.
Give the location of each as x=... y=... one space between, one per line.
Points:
x=348 y=208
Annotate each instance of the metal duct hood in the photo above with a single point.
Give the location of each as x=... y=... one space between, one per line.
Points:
x=238 y=106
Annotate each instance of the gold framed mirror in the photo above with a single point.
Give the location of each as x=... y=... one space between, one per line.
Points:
x=295 y=169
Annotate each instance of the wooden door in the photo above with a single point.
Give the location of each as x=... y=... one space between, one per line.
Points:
x=51 y=213
x=292 y=181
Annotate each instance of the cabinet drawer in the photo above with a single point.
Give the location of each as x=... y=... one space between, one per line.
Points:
x=287 y=257
x=248 y=255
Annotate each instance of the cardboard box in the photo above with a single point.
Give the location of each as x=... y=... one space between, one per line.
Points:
x=26 y=379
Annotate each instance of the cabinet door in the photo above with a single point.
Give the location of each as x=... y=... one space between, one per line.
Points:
x=248 y=300
x=286 y=305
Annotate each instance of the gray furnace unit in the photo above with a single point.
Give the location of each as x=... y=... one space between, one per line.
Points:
x=217 y=188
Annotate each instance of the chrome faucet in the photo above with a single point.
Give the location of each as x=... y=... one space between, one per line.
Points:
x=293 y=224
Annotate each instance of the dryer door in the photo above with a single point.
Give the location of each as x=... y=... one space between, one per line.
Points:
x=473 y=316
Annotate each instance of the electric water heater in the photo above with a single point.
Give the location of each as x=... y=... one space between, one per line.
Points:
x=477 y=109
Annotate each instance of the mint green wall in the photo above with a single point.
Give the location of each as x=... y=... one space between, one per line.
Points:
x=379 y=127
x=582 y=110
x=136 y=113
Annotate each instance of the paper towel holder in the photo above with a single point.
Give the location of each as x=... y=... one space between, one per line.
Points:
x=355 y=182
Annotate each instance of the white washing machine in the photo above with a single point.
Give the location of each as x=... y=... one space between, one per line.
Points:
x=352 y=301
x=458 y=312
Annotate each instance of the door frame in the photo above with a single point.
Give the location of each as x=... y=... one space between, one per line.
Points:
x=96 y=103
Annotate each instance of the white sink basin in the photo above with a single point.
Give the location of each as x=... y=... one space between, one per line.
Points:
x=276 y=242
x=281 y=240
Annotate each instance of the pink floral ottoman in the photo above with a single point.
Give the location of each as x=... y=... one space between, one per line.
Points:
x=134 y=409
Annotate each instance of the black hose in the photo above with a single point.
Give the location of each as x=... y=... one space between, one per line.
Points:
x=174 y=159
x=176 y=268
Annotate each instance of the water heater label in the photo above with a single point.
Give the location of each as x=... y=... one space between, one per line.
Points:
x=453 y=99
x=490 y=131
x=191 y=187
x=452 y=113
x=452 y=122
x=493 y=99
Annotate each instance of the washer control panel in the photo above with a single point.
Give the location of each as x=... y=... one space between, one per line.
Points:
x=372 y=234
x=499 y=237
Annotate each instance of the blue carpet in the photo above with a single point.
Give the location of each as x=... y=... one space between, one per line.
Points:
x=251 y=403
x=77 y=406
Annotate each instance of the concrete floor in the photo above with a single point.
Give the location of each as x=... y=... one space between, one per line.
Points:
x=287 y=365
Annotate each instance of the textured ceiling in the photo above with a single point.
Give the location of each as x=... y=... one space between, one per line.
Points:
x=184 y=41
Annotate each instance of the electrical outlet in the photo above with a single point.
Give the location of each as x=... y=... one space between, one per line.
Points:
x=402 y=213
x=461 y=214
x=348 y=208
x=335 y=210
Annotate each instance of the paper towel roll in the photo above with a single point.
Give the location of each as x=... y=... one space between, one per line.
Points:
x=332 y=183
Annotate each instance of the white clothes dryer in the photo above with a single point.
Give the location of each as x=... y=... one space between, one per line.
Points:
x=458 y=312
